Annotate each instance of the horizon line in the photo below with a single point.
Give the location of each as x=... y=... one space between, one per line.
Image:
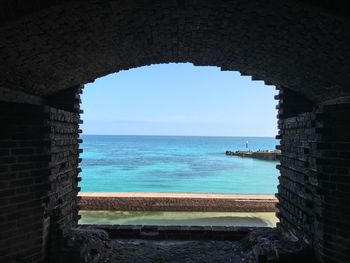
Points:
x=181 y=135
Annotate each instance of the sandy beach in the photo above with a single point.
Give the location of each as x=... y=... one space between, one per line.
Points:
x=181 y=195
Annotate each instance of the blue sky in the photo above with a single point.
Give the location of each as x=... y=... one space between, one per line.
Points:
x=179 y=99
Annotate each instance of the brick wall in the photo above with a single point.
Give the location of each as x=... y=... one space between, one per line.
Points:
x=315 y=181
x=296 y=188
x=331 y=163
x=39 y=156
x=63 y=118
x=23 y=171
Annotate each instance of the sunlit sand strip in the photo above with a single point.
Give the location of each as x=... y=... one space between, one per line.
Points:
x=180 y=195
x=178 y=202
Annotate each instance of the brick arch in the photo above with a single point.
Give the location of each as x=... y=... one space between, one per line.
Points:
x=56 y=46
x=48 y=48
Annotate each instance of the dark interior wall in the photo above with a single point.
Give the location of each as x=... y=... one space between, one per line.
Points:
x=331 y=162
x=60 y=44
x=314 y=186
x=39 y=156
x=24 y=161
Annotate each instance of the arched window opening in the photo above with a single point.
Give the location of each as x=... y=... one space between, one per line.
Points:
x=178 y=144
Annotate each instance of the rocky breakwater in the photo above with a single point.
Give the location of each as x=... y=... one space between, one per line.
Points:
x=129 y=201
x=270 y=155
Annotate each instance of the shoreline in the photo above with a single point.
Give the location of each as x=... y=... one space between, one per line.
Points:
x=148 y=201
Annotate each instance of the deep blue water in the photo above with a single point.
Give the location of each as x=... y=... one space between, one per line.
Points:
x=175 y=164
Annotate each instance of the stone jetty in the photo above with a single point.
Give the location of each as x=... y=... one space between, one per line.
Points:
x=270 y=155
x=178 y=202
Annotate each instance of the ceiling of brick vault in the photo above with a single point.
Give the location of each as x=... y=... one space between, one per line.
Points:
x=46 y=46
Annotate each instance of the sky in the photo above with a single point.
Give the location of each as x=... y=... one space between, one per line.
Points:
x=179 y=99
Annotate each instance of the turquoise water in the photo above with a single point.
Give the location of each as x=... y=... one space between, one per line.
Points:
x=175 y=164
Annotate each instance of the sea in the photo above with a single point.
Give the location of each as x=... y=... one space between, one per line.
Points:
x=188 y=164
